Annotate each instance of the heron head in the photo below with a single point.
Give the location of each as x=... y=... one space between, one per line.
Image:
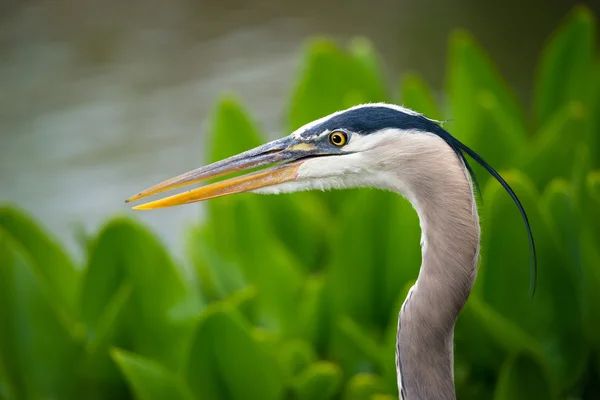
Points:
x=343 y=150
x=366 y=145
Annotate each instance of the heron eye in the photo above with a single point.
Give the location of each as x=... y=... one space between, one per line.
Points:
x=338 y=138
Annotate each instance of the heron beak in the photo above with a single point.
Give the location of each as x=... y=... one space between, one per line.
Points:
x=287 y=152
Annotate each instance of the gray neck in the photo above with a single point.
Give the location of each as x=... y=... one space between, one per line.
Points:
x=450 y=245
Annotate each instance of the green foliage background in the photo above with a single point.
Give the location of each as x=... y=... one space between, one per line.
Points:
x=296 y=296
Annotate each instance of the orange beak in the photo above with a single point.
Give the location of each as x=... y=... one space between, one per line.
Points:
x=286 y=152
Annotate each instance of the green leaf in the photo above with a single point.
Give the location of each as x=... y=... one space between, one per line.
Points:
x=47 y=257
x=592 y=136
x=37 y=349
x=229 y=361
x=320 y=381
x=7 y=391
x=154 y=322
x=295 y=356
x=521 y=377
x=564 y=68
x=244 y=236
x=148 y=379
x=298 y=220
x=487 y=326
x=590 y=237
x=98 y=375
x=362 y=341
x=486 y=115
x=108 y=322
x=312 y=311
x=382 y=396
x=332 y=80
x=234 y=132
x=381 y=253
x=388 y=350
x=363 y=386
x=369 y=65
x=369 y=270
x=504 y=274
x=560 y=204
x=417 y=95
x=482 y=340
x=593 y=185
x=302 y=223
x=218 y=278
x=553 y=151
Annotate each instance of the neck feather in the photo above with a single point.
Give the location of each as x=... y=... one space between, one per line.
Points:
x=436 y=183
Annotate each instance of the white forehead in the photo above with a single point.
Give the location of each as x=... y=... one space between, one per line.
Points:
x=299 y=131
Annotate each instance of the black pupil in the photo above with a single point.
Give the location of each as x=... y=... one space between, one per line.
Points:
x=337 y=138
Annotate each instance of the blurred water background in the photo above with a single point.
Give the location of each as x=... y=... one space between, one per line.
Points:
x=99 y=99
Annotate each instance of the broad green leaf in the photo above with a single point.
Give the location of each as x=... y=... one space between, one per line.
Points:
x=471 y=380
x=295 y=356
x=553 y=150
x=482 y=339
x=263 y=260
x=352 y=273
x=230 y=361
x=401 y=235
x=108 y=322
x=161 y=302
x=521 y=377
x=417 y=95
x=487 y=326
x=485 y=113
x=388 y=350
x=332 y=80
x=593 y=185
x=381 y=252
x=7 y=391
x=49 y=259
x=303 y=224
x=382 y=396
x=592 y=133
x=590 y=284
x=202 y=372
x=582 y=165
x=298 y=220
x=504 y=275
x=320 y=381
x=363 y=386
x=563 y=73
x=590 y=237
x=218 y=277
x=312 y=311
x=245 y=302
x=505 y=249
x=38 y=351
x=148 y=379
x=560 y=204
x=369 y=65
x=362 y=341
x=233 y=131
x=97 y=374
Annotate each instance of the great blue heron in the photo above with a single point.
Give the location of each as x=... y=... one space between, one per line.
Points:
x=393 y=148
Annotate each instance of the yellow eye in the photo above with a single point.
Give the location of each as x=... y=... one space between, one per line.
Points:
x=338 y=138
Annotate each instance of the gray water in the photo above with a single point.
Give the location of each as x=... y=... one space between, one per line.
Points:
x=99 y=99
